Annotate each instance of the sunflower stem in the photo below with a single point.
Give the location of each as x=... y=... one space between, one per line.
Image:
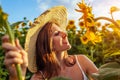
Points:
x=11 y=36
x=108 y=19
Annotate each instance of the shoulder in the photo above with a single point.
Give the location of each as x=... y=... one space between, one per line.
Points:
x=87 y=63
x=82 y=57
x=36 y=76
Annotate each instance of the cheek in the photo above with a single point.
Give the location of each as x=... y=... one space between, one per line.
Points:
x=56 y=42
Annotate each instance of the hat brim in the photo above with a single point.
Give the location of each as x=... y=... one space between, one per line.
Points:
x=57 y=14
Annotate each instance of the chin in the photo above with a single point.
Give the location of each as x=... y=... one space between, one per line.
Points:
x=68 y=47
x=65 y=47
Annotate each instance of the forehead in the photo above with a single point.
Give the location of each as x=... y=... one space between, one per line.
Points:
x=55 y=28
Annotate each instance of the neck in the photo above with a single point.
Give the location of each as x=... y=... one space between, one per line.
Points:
x=61 y=57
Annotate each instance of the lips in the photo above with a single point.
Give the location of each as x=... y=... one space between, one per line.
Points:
x=65 y=42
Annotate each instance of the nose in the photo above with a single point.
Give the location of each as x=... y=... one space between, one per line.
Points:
x=64 y=34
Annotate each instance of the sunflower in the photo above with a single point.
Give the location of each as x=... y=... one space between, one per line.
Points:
x=84 y=39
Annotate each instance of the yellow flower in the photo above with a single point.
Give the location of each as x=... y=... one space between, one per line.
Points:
x=81 y=24
x=90 y=35
x=30 y=23
x=17 y=26
x=73 y=27
x=81 y=5
x=88 y=24
x=93 y=29
x=71 y=22
x=93 y=37
x=98 y=38
x=98 y=24
x=70 y=27
x=84 y=39
x=118 y=21
x=5 y=16
x=90 y=21
x=114 y=9
x=23 y=24
x=103 y=28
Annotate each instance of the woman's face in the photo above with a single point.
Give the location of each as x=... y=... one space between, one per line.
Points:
x=59 y=38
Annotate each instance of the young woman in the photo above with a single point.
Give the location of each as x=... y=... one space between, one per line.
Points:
x=45 y=51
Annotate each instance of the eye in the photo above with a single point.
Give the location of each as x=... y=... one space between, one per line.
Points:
x=56 y=33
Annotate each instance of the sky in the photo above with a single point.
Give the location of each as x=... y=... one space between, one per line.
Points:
x=18 y=9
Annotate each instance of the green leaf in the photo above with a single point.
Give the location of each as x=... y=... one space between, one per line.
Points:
x=108 y=71
x=60 y=78
x=110 y=65
x=115 y=53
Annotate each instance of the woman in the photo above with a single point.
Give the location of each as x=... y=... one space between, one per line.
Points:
x=47 y=45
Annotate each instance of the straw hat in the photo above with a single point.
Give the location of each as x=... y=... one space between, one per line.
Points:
x=57 y=14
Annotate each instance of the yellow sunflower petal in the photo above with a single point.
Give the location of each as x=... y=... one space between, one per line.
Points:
x=84 y=39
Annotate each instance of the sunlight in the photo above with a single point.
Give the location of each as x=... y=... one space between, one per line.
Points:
x=102 y=8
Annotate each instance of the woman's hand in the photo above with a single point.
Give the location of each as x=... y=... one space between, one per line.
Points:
x=14 y=55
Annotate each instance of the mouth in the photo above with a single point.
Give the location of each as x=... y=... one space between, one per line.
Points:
x=64 y=42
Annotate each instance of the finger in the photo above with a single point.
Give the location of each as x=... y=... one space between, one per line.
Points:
x=9 y=62
x=9 y=46
x=18 y=44
x=13 y=54
x=25 y=58
x=23 y=53
x=5 y=38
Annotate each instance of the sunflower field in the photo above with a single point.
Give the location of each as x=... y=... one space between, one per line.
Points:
x=98 y=41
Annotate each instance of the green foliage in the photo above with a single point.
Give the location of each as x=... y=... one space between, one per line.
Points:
x=78 y=48
x=109 y=71
x=107 y=50
x=3 y=70
x=60 y=78
x=20 y=33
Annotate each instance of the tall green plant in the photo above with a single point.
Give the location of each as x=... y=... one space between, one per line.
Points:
x=4 y=25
